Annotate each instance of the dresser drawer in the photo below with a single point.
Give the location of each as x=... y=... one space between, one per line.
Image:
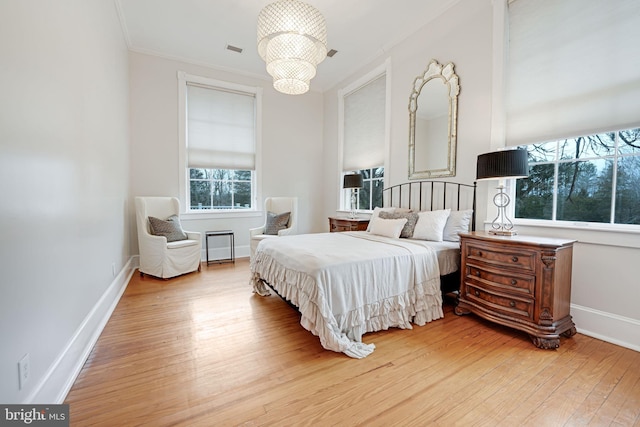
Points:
x=340 y=227
x=522 y=259
x=501 y=280
x=511 y=305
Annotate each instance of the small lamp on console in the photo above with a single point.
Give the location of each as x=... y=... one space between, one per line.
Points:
x=353 y=181
x=501 y=165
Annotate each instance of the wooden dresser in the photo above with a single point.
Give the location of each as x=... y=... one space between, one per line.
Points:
x=347 y=224
x=522 y=282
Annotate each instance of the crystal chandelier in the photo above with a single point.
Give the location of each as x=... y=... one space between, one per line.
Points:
x=292 y=40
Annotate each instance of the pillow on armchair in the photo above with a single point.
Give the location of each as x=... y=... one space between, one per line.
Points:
x=276 y=222
x=169 y=228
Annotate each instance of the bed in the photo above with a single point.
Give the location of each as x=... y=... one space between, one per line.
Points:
x=347 y=284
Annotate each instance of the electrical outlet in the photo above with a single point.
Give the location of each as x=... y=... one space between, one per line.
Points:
x=113 y=269
x=24 y=366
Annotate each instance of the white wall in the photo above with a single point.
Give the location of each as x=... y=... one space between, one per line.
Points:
x=64 y=179
x=605 y=291
x=291 y=145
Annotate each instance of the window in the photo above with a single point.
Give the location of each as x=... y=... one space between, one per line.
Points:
x=364 y=125
x=220 y=132
x=591 y=178
x=220 y=188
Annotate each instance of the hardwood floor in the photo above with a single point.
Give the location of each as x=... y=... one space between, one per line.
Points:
x=202 y=350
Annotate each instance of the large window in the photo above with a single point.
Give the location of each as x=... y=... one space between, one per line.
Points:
x=364 y=135
x=592 y=178
x=220 y=145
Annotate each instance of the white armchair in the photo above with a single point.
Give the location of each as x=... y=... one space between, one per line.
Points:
x=277 y=205
x=158 y=257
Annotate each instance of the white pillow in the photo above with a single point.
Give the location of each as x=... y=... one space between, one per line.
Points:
x=387 y=227
x=375 y=213
x=430 y=225
x=458 y=222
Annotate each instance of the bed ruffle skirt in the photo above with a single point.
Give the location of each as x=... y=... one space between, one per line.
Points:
x=343 y=332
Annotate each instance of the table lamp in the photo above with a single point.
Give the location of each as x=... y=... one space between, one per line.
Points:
x=501 y=165
x=353 y=181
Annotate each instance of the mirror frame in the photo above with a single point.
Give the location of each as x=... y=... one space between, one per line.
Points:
x=450 y=79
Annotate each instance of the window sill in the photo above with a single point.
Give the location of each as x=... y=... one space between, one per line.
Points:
x=221 y=214
x=588 y=233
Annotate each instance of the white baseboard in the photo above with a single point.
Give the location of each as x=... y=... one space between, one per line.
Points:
x=619 y=330
x=59 y=378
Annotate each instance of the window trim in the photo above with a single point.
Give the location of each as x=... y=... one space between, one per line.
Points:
x=183 y=169
x=384 y=68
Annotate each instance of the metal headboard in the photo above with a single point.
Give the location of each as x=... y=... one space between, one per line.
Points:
x=431 y=195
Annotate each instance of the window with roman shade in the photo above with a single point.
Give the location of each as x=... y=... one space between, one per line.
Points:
x=364 y=134
x=573 y=101
x=220 y=145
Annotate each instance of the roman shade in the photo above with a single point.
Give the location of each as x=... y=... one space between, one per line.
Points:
x=220 y=128
x=364 y=126
x=573 y=68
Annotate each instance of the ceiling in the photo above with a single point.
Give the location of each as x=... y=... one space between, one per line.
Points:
x=198 y=31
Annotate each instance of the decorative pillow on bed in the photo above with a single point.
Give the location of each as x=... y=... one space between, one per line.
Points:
x=458 y=222
x=430 y=225
x=169 y=228
x=276 y=222
x=387 y=227
x=376 y=212
x=412 y=219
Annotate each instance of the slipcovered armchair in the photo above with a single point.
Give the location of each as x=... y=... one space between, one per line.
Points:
x=275 y=209
x=165 y=249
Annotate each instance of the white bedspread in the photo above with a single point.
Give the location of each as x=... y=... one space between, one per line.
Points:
x=347 y=284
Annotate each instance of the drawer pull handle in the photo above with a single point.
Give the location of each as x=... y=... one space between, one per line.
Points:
x=514 y=282
x=478 y=273
x=479 y=253
x=477 y=293
x=514 y=259
x=512 y=303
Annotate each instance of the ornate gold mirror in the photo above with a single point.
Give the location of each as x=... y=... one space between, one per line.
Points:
x=433 y=117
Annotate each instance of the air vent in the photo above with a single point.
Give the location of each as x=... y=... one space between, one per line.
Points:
x=331 y=53
x=234 y=48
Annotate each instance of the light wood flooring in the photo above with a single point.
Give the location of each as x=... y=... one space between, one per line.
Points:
x=202 y=350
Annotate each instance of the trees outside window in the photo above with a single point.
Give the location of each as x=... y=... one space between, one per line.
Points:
x=371 y=192
x=591 y=178
x=216 y=189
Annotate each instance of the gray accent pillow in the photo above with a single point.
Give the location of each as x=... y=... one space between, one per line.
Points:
x=169 y=228
x=276 y=222
x=412 y=219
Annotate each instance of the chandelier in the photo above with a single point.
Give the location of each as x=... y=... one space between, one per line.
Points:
x=292 y=40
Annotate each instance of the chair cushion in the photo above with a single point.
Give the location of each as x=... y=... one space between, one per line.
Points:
x=276 y=222
x=169 y=228
x=181 y=244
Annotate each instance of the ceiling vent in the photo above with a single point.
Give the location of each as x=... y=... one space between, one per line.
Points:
x=234 y=48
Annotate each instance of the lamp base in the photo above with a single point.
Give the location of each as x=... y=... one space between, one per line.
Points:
x=503 y=232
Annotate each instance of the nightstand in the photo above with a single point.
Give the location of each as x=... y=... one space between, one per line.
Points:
x=348 y=224
x=523 y=282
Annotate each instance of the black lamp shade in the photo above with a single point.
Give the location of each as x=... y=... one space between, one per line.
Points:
x=353 y=180
x=503 y=164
